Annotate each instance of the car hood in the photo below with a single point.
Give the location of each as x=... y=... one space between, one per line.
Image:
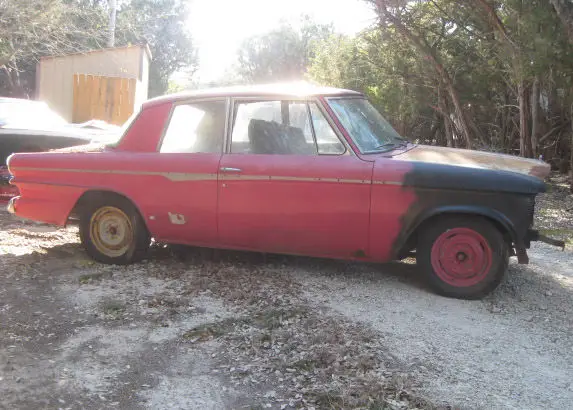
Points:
x=475 y=159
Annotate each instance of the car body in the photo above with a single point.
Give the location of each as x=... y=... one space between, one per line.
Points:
x=287 y=168
x=31 y=126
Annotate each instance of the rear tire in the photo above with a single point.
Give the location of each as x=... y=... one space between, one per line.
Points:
x=464 y=257
x=112 y=231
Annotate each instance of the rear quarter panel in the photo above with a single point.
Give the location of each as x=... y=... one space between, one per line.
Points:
x=51 y=183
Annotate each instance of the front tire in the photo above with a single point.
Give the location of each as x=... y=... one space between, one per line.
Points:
x=464 y=257
x=112 y=231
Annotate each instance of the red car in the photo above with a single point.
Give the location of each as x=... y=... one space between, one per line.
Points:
x=288 y=169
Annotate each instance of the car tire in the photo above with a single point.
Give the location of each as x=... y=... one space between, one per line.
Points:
x=463 y=257
x=113 y=232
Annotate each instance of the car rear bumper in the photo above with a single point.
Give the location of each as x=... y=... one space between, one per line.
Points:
x=11 y=207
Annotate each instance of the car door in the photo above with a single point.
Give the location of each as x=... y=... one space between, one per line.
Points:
x=183 y=196
x=288 y=184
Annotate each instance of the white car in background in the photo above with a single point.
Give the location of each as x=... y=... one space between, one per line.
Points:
x=31 y=126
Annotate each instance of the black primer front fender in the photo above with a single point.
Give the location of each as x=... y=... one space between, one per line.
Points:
x=407 y=235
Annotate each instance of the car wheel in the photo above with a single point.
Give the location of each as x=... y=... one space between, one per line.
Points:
x=113 y=232
x=464 y=257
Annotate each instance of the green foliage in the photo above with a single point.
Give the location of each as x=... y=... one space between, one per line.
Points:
x=282 y=54
x=30 y=29
x=405 y=84
x=161 y=24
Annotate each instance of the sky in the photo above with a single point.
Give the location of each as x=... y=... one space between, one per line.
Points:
x=218 y=27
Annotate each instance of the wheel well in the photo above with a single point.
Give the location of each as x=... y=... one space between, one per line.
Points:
x=411 y=242
x=90 y=196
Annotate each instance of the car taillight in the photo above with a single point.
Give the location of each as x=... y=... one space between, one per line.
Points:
x=7 y=191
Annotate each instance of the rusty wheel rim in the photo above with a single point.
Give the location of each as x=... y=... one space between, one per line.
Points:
x=111 y=231
x=461 y=257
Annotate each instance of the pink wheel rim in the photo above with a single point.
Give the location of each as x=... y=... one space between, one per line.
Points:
x=461 y=257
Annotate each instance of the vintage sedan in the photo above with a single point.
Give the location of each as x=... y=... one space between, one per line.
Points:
x=292 y=169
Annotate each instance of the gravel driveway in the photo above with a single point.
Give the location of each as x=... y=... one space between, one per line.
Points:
x=212 y=329
x=512 y=350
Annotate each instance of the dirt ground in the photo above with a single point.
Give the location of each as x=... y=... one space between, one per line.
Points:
x=205 y=329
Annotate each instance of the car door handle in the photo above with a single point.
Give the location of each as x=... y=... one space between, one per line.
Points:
x=228 y=169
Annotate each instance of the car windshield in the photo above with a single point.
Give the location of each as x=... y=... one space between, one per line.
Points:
x=367 y=127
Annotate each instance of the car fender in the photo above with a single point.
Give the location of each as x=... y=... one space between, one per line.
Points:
x=443 y=210
x=105 y=191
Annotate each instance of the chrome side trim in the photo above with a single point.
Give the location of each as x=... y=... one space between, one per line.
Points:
x=397 y=183
x=172 y=176
x=292 y=179
x=182 y=176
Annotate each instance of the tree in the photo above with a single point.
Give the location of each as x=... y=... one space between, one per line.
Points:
x=30 y=29
x=163 y=25
x=493 y=65
x=281 y=54
x=564 y=9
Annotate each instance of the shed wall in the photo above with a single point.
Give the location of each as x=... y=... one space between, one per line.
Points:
x=55 y=75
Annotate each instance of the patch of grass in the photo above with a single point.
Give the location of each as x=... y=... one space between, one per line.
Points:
x=557 y=231
x=209 y=331
x=276 y=318
x=90 y=277
x=561 y=233
x=305 y=365
x=113 y=308
x=267 y=321
x=329 y=400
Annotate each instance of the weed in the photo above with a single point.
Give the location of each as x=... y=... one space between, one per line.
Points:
x=113 y=308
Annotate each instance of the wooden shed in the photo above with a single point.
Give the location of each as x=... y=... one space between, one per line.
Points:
x=105 y=84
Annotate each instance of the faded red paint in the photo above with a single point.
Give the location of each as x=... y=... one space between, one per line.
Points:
x=144 y=133
x=348 y=206
x=302 y=209
x=313 y=205
x=461 y=257
x=390 y=202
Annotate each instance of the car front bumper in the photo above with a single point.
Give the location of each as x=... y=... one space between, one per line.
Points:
x=534 y=235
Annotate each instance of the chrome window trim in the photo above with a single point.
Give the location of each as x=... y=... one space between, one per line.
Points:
x=356 y=97
x=347 y=148
x=188 y=102
x=308 y=100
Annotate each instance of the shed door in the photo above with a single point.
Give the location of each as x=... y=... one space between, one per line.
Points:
x=110 y=99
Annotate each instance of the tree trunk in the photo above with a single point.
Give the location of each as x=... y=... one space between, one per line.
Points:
x=534 y=117
x=564 y=9
x=112 y=17
x=459 y=112
x=424 y=48
x=443 y=104
x=523 y=131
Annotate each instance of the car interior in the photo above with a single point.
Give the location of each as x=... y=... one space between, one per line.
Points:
x=270 y=137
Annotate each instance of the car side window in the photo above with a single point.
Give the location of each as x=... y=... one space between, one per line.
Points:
x=272 y=127
x=326 y=138
x=197 y=127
